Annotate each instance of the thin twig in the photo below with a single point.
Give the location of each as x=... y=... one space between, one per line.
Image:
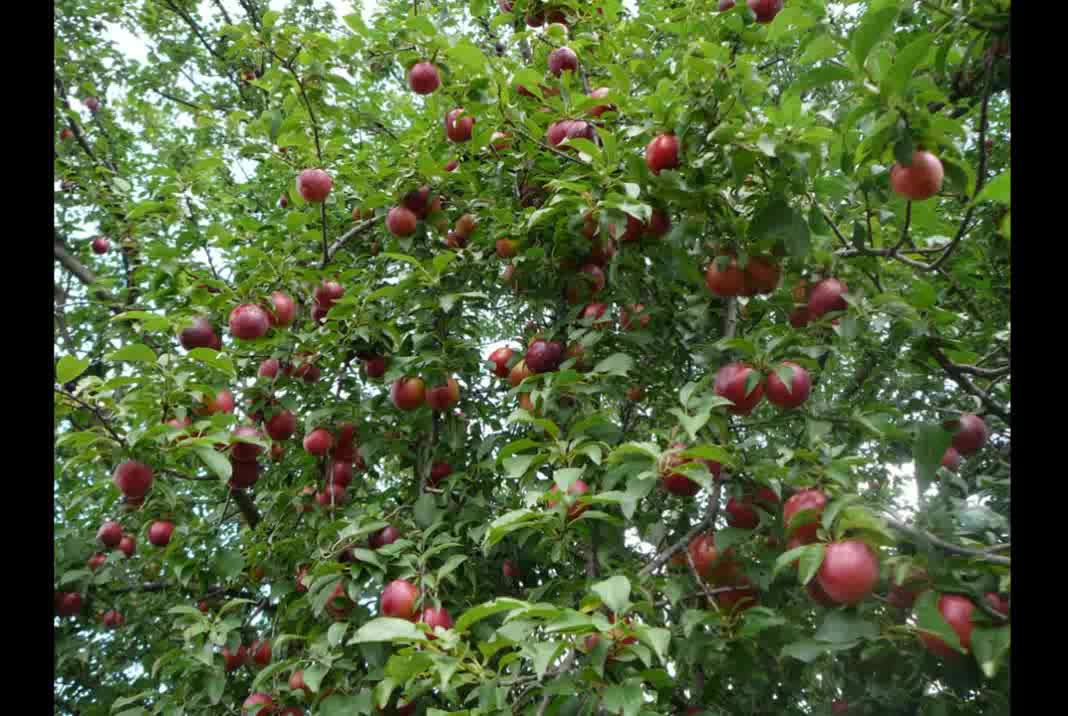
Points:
x=921 y=535
x=288 y=64
x=964 y=382
x=326 y=246
x=904 y=229
x=183 y=476
x=564 y=668
x=523 y=133
x=708 y=520
x=97 y=412
x=196 y=30
x=961 y=18
x=697 y=577
x=980 y=178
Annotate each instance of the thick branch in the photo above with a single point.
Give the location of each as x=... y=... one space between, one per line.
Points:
x=247 y=507
x=730 y=318
x=591 y=554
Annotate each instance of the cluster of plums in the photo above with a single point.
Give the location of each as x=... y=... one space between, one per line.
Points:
x=724 y=277
x=745 y=387
x=969 y=437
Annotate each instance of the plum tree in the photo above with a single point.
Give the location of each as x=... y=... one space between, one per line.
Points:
x=462 y=316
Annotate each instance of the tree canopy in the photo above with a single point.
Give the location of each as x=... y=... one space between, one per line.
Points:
x=545 y=358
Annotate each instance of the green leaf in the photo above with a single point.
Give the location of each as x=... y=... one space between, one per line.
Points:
x=342 y=705
x=215 y=461
x=517 y=465
x=425 y=510
x=366 y=555
x=788 y=557
x=927 y=451
x=625 y=699
x=998 y=189
x=875 y=25
x=585 y=146
x=905 y=63
x=313 y=676
x=727 y=537
x=922 y=295
x=68 y=368
x=811 y=560
x=655 y=638
x=693 y=424
x=565 y=477
x=214 y=359
x=614 y=592
x=841 y=627
x=858 y=517
x=269 y=19
x=387 y=629
x=709 y=452
x=468 y=55
x=836 y=506
x=336 y=633
x=615 y=364
x=930 y=620
x=214 y=685
x=134 y=353
x=120 y=703
x=990 y=644
x=830 y=72
x=628 y=451
x=808 y=650
x=446 y=667
x=903 y=149
x=510 y=522
x=543 y=654
x=450 y=565
x=487 y=609
x=758 y=619
x=779 y=221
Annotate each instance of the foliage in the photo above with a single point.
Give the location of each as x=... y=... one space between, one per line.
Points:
x=788 y=131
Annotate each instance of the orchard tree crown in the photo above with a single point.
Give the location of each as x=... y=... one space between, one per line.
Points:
x=541 y=358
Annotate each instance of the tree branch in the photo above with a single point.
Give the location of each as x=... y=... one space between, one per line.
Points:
x=288 y=64
x=564 y=668
x=196 y=30
x=247 y=506
x=980 y=177
x=354 y=231
x=97 y=412
x=523 y=133
x=222 y=9
x=964 y=382
x=708 y=520
x=922 y=536
x=730 y=318
x=75 y=127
